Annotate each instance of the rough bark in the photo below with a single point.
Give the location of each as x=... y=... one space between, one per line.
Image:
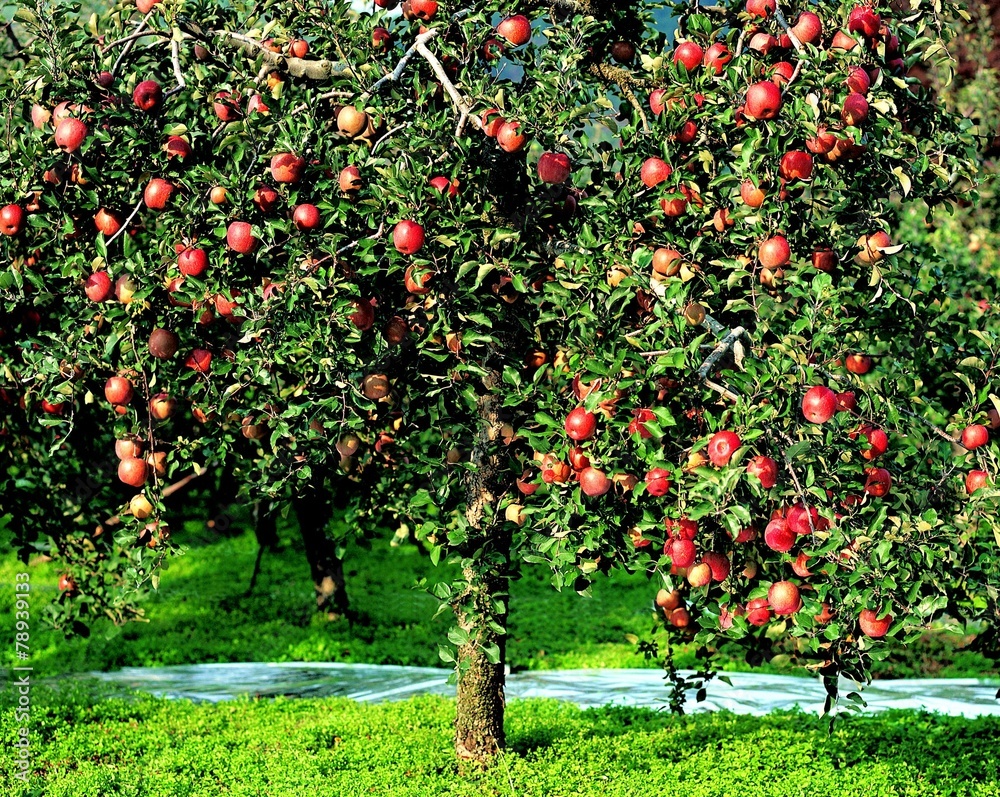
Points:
x=313 y=512
x=479 y=732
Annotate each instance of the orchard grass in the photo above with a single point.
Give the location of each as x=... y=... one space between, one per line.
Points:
x=202 y=614
x=149 y=747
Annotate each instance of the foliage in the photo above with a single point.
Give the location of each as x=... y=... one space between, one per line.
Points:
x=425 y=350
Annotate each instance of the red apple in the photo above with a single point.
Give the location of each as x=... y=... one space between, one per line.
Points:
x=199 y=360
x=878 y=482
x=846 y=401
x=878 y=442
x=298 y=48
x=408 y=237
x=722 y=446
x=133 y=471
x=509 y=139
x=758 y=612
x=864 y=20
x=824 y=259
x=492 y=121
x=580 y=424
x=516 y=30
x=70 y=134
x=654 y=171
x=11 y=219
x=689 y=54
x=108 y=222
x=808 y=28
x=553 y=167
x=163 y=343
x=177 y=147
x=306 y=216
x=416 y=282
x=118 y=390
x=774 y=252
x=157 y=193
x=444 y=186
x=858 y=80
x=778 y=536
x=765 y=469
x=657 y=481
x=718 y=564
x=784 y=598
x=761 y=8
x=240 y=237
x=872 y=625
x=161 y=406
x=796 y=165
x=98 y=286
x=975 y=479
x=287 y=167
x=858 y=363
x=762 y=43
x=763 y=100
x=682 y=553
x=147 y=96
x=801 y=565
x=192 y=262
x=975 y=436
x=716 y=58
x=594 y=482
x=350 y=179
x=265 y=198
x=819 y=404
x=226 y=106
x=751 y=194
x=855 y=109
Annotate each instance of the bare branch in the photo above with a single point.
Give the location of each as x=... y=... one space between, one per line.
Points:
x=397 y=73
x=725 y=345
x=178 y=75
x=624 y=80
x=125 y=225
x=139 y=34
x=457 y=99
x=722 y=390
x=778 y=15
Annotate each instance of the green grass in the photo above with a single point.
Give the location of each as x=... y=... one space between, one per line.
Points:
x=202 y=614
x=146 y=747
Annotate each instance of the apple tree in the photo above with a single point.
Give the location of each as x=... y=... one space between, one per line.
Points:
x=577 y=284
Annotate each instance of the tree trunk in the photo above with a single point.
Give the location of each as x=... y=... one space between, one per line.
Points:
x=327 y=569
x=481 y=609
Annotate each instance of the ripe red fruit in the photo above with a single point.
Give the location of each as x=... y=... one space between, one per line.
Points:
x=516 y=30
x=408 y=237
x=98 y=286
x=118 y=390
x=751 y=194
x=974 y=436
x=778 y=536
x=796 y=165
x=656 y=101
x=657 y=482
x=974 y=480
x=147 y=96
x=719 y=565
x=800 y=565
x=722 y=446
x=298 y=48
x=192 y=262
x=163 y=343
x=858 y=363
x=444 y=186
x=819 y=404
x=878 y=482
x=594 y=482
x=824 y=259
x=872 y=625
x=689 y=54
x=177 y=147
x=681 y=552
x=855 y=109
x=798 y=519
x=765 y=469
x=70 y=134
x=580 y=424
x=492 y=122
x=758 y=612
x=199 y=360
x=287 y=167
x=761 y=8
x=553 y=167
x=763 y=100
x=11 y=219
x=509 y=139
x=240 y=237
x=808 y=28
x=841 y=41
x=716 y=58
x=157 y=193
x=265 y=198
x=381 y=39
x=306 y=216
x=858 y=80
x=774 y=252
x=782 y=72
x=350 y=179
x=666 y=261
x=133 y=471
x=683 y=529
x=762 y=43
x=161 y=406
x=878 y=442
x=864 y=20
x=227 y=106
x=416 y=282
x=784 y=598
x=654 y=171
x=699 y=575
x=638 y=424
x=847 y=401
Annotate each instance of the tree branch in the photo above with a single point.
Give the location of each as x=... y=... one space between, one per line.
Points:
x=725 y=345
x=175 y=59
x=624 y=80
x=397 y=73
x=778 y=15
x=465 y=112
